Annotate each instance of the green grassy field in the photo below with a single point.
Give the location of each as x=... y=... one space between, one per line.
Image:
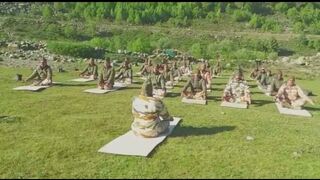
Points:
x=57 y=132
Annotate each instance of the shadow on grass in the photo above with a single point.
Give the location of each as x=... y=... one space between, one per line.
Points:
x=257 y=92
x=193 y=131
x=138 y=82
x=285 y=52
x=130 y=87
x=9 y=119
x=199 y=131
x=173 y=94
x=215 y=98
x=253 y=85
x=177 y=85
x=71 y=84
x=258 y=103
x=217 y=89
x=311 y=108
x=183 y=80
x=224 y=77
x=218 y=84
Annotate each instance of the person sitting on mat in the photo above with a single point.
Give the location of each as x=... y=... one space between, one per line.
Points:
x=106 y=77
x=197 y=85
x=42 y=74
x=237 y=91
x=91 y=71
x=151 y=117
x=125 y=72
x=291 y=95
x=275 y=84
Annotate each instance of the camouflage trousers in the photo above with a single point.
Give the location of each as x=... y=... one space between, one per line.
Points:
x=149 y=129
x=88 y=76
x=199 y=95
x=105 y=85
x=236 y=99
x=294 y=104
x=45 y=82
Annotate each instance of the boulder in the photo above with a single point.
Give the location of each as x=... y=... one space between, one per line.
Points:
x=285 y=59
x=300 y=61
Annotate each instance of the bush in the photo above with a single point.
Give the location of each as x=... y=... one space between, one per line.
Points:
x=298 y=27
x=302 y=40
x=240 y=15
x=75 y=50
x=140 y=45
x=256 y=21
x=273 y=45
x=273 y=56
x=212 y=50
x=70 y=32
x=99 y=42
x=314 y=44
x=293 y=14
x=271 y=25
x=282 y=7
x=315 y=28
x=117 y=42
x=196 y=50
x=163 y=43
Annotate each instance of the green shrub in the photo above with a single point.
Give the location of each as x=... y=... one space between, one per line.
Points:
x=256 y=21
x=273 y=56
x=271 y=25
x=298 y=27
x=75 y=50
x=282 y=7
x=240 y=15
x=196 y=50
x=99 y=42
x=140 y=45
x=302 y=40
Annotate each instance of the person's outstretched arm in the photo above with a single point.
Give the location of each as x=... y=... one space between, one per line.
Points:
x=302 y=95
x=49 y=74
x=33 y=75
x=85 y=70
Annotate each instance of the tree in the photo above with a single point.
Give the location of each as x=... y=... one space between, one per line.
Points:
x=240 y=15
x=163 y=43
x=100 y=13
x=271 y=24
x=140 y=45
x=58 y=6
x=99 y=42
x=117 y=43
x=70 y=32
x=274 y=45
x=54 y=30
x=302 y=40
x=35 y=10
x=196 y=50
x=298 y=27
x=256 y=21
x=118 y=11
x=131 y=16
x=211 y=15
x=91 y=27
x=315 y=28
x=212 y=50
x=282 y=7
x=306 y=14
x=137 y=19
x=47 y=12
x=293 y=14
